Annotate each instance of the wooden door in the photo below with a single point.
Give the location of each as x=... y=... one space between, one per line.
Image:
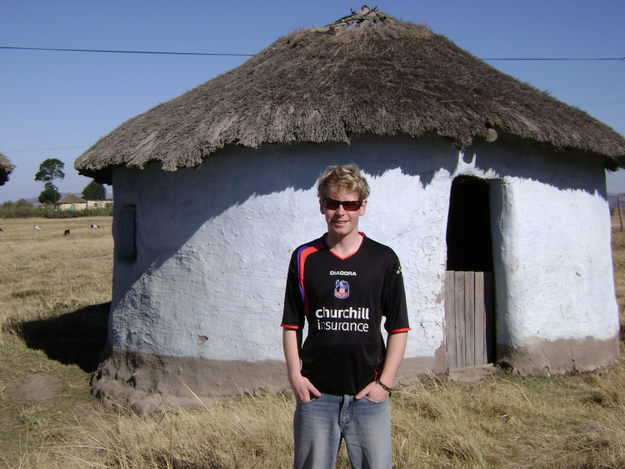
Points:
x=469 y=314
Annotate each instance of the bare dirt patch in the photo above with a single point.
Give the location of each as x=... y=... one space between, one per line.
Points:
x=37 y=388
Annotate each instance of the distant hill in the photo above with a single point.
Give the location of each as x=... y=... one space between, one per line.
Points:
x=34 y=201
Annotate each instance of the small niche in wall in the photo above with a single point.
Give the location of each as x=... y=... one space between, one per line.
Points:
x=127 y=239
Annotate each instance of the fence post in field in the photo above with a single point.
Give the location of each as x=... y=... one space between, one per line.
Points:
x=620 y=214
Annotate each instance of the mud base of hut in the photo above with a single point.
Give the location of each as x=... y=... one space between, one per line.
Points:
x=540 y=357
x=145 y=383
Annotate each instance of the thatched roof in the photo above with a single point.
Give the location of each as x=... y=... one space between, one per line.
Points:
x=71 y=199
x=368 y=73
x=5 y=169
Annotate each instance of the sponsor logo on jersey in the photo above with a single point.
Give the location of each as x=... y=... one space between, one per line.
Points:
x=341 y=289
x=343 y=272
x=344 y=320
x=351 y=313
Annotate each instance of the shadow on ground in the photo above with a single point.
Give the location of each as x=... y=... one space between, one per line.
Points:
x=75 y=338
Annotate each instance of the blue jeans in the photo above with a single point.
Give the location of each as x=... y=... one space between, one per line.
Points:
x=320 y=424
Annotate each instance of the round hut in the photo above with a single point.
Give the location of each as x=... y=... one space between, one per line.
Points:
x=491 y=192
x=5 y=169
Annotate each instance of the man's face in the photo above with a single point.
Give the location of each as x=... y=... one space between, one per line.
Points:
x=342 y=223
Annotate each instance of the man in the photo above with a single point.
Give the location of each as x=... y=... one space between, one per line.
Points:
x=342 y=284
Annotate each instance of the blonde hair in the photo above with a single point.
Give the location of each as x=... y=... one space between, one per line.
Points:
x=347 y=177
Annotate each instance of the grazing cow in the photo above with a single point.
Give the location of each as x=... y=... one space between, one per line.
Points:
x=37 y=228
x=1 y=229
x=66 y=232
x=95 y=226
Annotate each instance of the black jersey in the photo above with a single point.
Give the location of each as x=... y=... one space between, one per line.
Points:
x=344 y=301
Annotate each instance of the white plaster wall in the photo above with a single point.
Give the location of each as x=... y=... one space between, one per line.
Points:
x=213 y=245
x=552 y=244
x=558 y=266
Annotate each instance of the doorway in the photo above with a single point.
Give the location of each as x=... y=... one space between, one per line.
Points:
x=469 y=282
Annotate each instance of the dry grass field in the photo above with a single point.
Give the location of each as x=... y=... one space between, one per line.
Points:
x=54 y=295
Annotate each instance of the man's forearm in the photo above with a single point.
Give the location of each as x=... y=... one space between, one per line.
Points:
x=394 y=355
x=291 y=351
x=301 y=386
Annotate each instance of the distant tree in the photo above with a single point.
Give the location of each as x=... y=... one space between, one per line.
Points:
x=50 y=170
x=49 y=195
x=94 y=191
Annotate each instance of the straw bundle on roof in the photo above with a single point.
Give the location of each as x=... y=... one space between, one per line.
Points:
x=368 y=73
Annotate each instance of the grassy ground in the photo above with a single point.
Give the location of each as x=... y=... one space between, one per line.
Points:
x=54 y=296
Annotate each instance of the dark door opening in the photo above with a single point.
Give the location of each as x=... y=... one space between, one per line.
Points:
x=469 y=284
x=469 y=240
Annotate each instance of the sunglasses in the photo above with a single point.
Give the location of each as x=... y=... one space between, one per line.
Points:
x=348 y=206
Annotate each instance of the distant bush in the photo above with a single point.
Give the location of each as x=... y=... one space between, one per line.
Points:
x=25 y=210
x=16 y=210
x=94 y=191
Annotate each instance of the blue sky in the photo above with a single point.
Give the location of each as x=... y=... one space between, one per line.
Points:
x=58 y=104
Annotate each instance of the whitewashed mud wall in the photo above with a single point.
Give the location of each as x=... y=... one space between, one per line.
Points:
x=213 y=245
x=556 y=304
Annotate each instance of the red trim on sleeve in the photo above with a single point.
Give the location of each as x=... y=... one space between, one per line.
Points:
x=303 y=254
x=286 y=326
x=397 y=331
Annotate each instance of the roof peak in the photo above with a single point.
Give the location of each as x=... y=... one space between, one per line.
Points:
x=70 y=198
x=367 y=16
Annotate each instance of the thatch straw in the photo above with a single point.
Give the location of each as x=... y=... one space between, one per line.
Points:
x=5 y=169
x=367 y=73
x=71 y=199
